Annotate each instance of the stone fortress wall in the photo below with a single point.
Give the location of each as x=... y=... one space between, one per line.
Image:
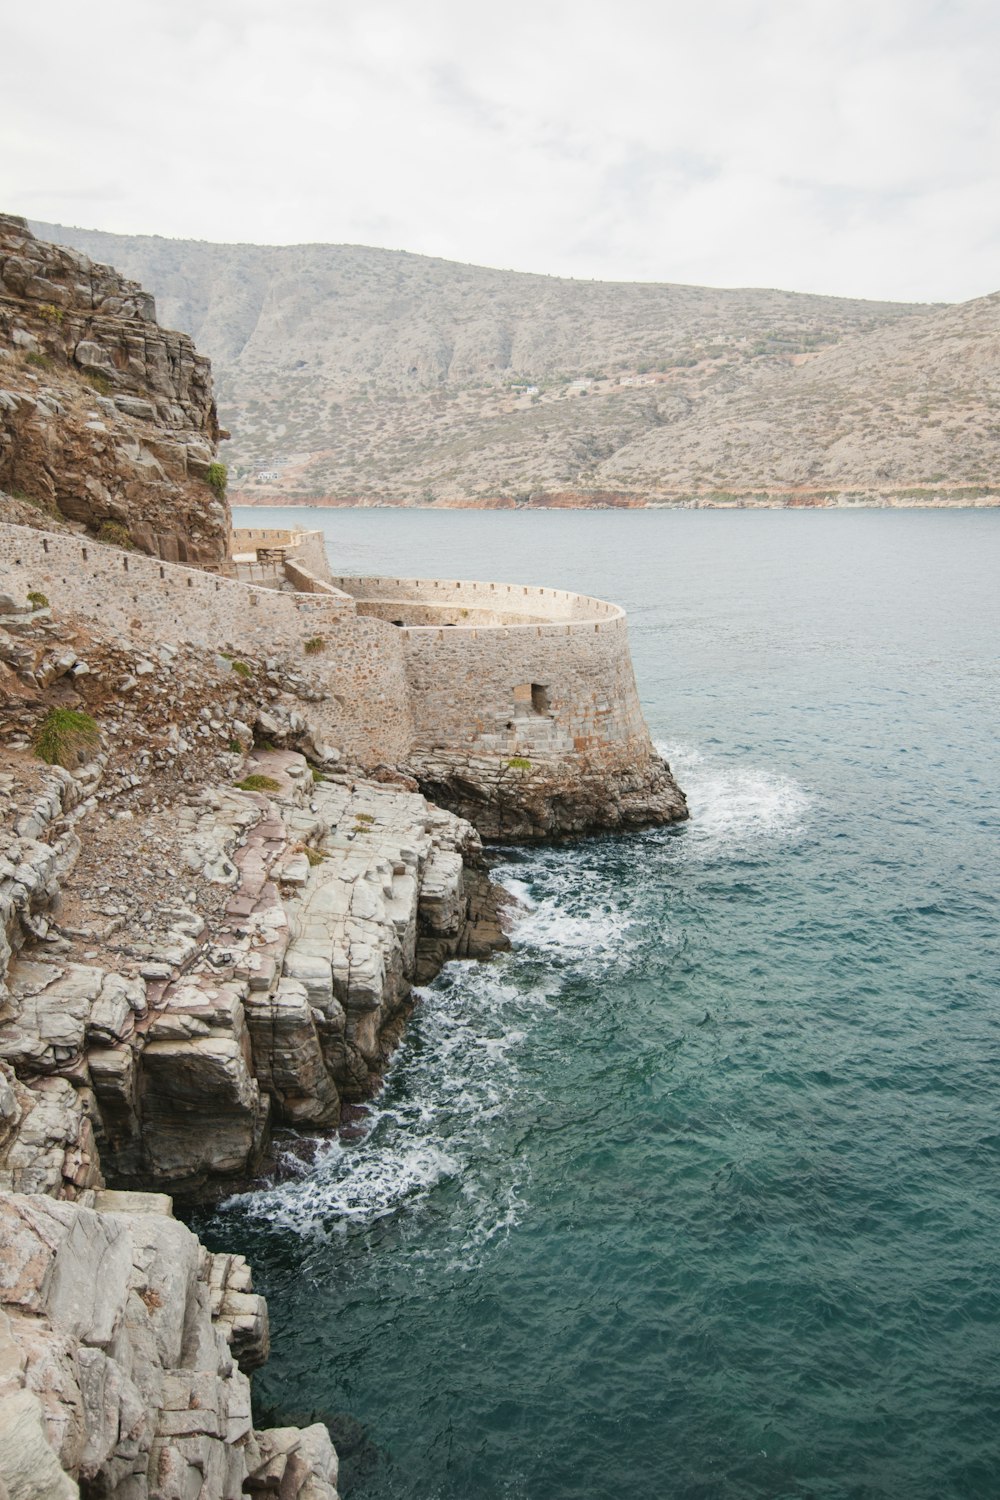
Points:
x=509 y=669
x=361 y=664
x=414 y=666
x=493 y=668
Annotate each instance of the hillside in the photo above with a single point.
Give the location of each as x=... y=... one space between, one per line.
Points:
x=371 y=376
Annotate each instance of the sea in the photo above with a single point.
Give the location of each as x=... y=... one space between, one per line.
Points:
x=695 y=1194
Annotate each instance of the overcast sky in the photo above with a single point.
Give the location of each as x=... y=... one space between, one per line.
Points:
x=848 y=146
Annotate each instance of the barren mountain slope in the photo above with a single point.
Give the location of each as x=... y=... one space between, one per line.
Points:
x=915 y=405
x=357 y=374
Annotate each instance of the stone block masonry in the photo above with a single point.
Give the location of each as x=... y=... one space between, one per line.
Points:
x=510 y=670
x=359 y=669
x=526 y=717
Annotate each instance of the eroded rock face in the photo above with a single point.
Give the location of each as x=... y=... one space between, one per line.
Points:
x=160 y=1051
x=552 y=799
x=124 y=1351
x=105 y=417
x=159 y=1057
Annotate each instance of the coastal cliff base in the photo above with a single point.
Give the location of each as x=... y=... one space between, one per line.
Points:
x=125 y=1348
x=526 y=801
x=184 y=963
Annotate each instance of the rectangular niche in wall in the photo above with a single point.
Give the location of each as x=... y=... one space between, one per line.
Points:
x=531 y=697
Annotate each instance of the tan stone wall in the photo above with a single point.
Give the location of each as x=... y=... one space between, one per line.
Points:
x=505 y=600
x=130 y=596
x=465 y=688
x=308 y=548
x=472 y=682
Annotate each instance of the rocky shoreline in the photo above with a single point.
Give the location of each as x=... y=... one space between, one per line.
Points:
x=160 y=1061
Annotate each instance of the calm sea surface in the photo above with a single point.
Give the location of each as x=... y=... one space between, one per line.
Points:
x=697 y=1192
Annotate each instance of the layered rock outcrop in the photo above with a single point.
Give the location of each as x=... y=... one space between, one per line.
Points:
x=524 y=801
x=106 y=419
x=124 y=1352
x=197 y=941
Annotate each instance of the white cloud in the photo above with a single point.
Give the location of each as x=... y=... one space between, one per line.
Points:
x=849 y=147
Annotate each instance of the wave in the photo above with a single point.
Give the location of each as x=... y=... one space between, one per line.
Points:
x=737 y=806
x=566 y=913
x=448 y=1094
x=437 y=1132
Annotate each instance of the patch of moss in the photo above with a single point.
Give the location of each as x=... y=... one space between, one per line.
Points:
x=218 y=477
x=115 y=535
x=66 y=737
x=239 y=667
x=37 y=600
x=258 y=783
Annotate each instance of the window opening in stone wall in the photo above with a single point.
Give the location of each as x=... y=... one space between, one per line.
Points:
x=532 y=697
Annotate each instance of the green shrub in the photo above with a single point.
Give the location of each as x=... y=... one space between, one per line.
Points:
x=116 y=535
x=518 y=763
x=37 y=600
x=317 y=775
x=258 y=783
x=98 y=382
x=217 y=477
x=66 y=737
x=235 y=748
x=314 y=644
x=40 y=361
x=50 y=313
x=239 y=667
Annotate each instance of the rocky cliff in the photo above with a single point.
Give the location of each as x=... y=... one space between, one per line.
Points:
x=199 y=942
x=107 y=421
x=203 y=939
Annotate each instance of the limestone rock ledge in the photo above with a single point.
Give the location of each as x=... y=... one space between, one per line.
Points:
x=527 y=801
x=123 y=1352
x=159 y=1047
x=292 y=917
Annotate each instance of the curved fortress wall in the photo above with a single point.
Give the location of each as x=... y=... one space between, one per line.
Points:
x=509 y=670
x=514 y=706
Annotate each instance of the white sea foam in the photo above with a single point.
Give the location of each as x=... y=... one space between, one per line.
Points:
x=458 y=1075
x=449 y=1090
x=573 y=919
x=737 y=806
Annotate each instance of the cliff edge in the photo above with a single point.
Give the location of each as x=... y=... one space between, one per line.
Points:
x=107 y=421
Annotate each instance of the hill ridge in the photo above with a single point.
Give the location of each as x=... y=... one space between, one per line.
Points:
x=355 y=374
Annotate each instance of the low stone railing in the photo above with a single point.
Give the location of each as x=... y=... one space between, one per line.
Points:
x=433 y=603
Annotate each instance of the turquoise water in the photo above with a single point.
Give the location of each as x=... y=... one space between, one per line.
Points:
x=697 y=1192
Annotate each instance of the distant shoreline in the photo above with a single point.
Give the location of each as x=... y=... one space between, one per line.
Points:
x=965 y=498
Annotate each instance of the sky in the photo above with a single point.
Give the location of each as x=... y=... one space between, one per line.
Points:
x=840 y=146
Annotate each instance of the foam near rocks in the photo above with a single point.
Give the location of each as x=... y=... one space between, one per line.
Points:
x=740 y=805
